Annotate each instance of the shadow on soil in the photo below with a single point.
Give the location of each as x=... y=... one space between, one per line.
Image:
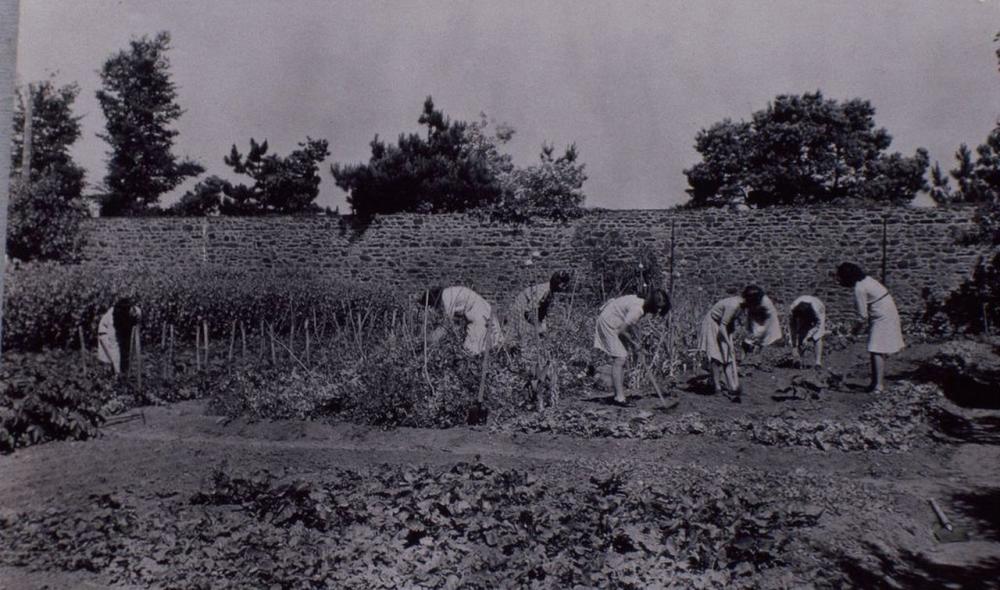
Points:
x=912 y=570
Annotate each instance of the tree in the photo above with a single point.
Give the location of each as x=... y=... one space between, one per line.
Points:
x=281 y=185
x=940 y=185
x=802 y=150
x=54 y=130
x=444 y=172
x=139 y=101
x=44 y=224
x=553 y=189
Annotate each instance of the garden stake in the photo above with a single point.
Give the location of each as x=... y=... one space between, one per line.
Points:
x=270 y=331
x=232 y=342
x=205 y=341
x=135 y=356
x=243 y=340
x=947 y=533
x=173 y=337
x=83 y=348
x=427 y=375
x=261 y=337
x=291 y=333
x=305 y=327
x=197 y=347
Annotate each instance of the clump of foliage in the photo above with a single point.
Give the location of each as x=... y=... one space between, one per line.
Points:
x=46 y=401
x=282 y=185
x=616 y=271
x=44 y=223
x=974 y=306
x=459 y=166
x=802 y=150
x=54 y=130
x=139 y=101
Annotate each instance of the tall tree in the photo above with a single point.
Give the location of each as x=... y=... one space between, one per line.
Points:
x=139 y=101
x=54 y=129
x=802 y=149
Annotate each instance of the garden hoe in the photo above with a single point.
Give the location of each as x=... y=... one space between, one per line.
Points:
x=947 y=533
x=656 y=387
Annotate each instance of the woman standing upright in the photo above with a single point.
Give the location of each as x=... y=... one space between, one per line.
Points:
x=877 y=307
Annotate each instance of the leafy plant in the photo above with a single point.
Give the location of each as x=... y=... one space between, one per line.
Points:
x=41 y=404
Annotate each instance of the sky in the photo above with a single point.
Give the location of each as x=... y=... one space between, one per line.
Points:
x=630 y=82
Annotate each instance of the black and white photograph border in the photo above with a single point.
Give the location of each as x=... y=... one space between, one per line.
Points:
x=437 y=294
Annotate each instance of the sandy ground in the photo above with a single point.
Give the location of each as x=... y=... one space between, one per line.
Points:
x=175 y=450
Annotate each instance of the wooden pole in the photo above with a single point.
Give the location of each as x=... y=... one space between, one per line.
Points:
x=305 y=327
x=885 y=244
x=243 y=340
x=274 y=358
x=9 y=14
x=170 y=356
x=205 y=342
x=291 y=333
x=197 y=347
x=232 y=341
x=27 y=147
x=262 y=338
x=83 y=346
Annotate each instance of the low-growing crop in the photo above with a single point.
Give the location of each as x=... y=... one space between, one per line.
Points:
x=41 y=402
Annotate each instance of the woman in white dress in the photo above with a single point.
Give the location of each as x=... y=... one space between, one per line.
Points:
x=614 y=328
x=763 y=323
x=716 y=338
x=531 y=306
x=481 y=328
x=876 y=307
x=114 y=334
x=807 y=322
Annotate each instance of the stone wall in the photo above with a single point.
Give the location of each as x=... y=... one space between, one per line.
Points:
x=787 y=251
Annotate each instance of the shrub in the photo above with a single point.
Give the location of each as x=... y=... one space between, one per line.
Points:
x=974 y=306
x=42 y=401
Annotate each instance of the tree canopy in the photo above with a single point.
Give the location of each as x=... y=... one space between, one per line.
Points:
x=459 y=166
x=802 y=150
x=54 y=130
x=281 y=184
x=139 y=101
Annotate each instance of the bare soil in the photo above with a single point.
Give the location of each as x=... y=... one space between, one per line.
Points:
x=890 y=543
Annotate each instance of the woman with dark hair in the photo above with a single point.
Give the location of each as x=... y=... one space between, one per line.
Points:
x=114 y=334
x=614 y=328
x=531 y=306
x=807 y=321
x=716 y=339
x=481 y=328
x=876 y=307
x=763 y=324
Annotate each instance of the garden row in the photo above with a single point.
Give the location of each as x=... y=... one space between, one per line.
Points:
x=468 y=526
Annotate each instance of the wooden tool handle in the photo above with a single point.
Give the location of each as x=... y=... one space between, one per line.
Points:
x=940 y=514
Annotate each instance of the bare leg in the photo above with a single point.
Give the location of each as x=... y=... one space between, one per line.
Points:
x=618 y=378
x=878 y=371
x=717 y=375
